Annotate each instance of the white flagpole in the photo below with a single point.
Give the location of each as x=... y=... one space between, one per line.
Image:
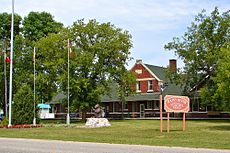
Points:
x=68 y=117
x=5 y=79
x=34 y=120
x=11 y=62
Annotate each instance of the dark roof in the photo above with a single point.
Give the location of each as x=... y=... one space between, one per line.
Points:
x=157 y=70
x=160 y=72
x=58 y=98
x=171 y=89
x=135 y=97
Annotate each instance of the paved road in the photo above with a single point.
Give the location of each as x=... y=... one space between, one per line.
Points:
x=11 y=145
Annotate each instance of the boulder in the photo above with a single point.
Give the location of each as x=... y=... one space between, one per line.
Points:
x=97 y=122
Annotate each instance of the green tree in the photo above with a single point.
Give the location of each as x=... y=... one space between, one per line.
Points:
x=99 y=51
x=222 y=81
x=51 y=63
x=199 y=48
x=5 y=35
x=125 y=79
x=35 y=26
x=103 y=50
x=5 y=24
x=23 y=106
x=39 y=24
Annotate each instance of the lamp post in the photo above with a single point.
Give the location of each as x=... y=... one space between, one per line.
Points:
x=11 y=62
x=162 y=88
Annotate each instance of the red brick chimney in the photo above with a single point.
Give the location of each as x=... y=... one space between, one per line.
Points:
x=173 y=65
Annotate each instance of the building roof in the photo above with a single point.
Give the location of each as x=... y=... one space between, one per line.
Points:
x=160 y=72
x=58 y=98
x=171 y=89
x=44 y=106
x=157 y=70
x=135 y=97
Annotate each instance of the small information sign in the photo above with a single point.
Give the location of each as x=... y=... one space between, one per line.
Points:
x=176 y=104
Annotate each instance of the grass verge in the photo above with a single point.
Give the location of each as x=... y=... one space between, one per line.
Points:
x=198 y=134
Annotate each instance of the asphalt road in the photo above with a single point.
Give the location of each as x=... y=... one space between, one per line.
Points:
x=11 y=145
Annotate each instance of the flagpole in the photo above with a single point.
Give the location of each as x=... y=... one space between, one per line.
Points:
x=34 y=120
x=68 y=117
x=5 y=79
x=11 y=62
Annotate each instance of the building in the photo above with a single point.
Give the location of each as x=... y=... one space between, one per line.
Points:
x=145 y=102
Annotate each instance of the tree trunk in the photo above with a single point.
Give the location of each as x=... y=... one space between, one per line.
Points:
x=83 y=116
x=122 y=109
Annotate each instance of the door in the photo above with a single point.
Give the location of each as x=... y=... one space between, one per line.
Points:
x=142 y=110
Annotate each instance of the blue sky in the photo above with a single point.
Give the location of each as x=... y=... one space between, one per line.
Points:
x=152 y=23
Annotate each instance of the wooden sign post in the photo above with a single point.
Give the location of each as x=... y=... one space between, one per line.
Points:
x=176 y=104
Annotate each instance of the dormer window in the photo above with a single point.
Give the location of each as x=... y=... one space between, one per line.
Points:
x=138 y=71
x=150 y=85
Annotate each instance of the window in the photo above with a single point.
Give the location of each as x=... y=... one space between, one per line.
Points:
x=125 y=105
x=156 y=104
x=117 y=106
x=150 y=85
x=149 y=105
x=138 y=87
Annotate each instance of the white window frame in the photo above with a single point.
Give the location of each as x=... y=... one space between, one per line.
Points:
x=150 y=85
x=138 y=86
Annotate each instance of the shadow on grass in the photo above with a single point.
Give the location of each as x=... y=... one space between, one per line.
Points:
x=221 y=127
x=212 y=121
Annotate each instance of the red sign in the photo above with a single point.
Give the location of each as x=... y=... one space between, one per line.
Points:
x=176 y=103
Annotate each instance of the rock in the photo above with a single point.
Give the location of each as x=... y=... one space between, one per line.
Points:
x=97 y=122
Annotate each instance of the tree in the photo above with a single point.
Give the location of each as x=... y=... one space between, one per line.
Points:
x=51 y=59
x=99 y=51
x=23 y=106
x=5 y=35
x=222 y=80
x=37 y=25
x=103 y=52
x=5 y=24
x=199 y=48
x=125 y=79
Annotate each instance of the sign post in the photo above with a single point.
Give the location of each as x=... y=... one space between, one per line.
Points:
x=168 y=122
x=184 y=121
x=176 y=104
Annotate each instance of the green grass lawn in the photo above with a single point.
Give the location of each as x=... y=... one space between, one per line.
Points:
x=198 y=134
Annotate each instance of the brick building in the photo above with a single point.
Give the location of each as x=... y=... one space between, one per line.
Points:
x=145 y=102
